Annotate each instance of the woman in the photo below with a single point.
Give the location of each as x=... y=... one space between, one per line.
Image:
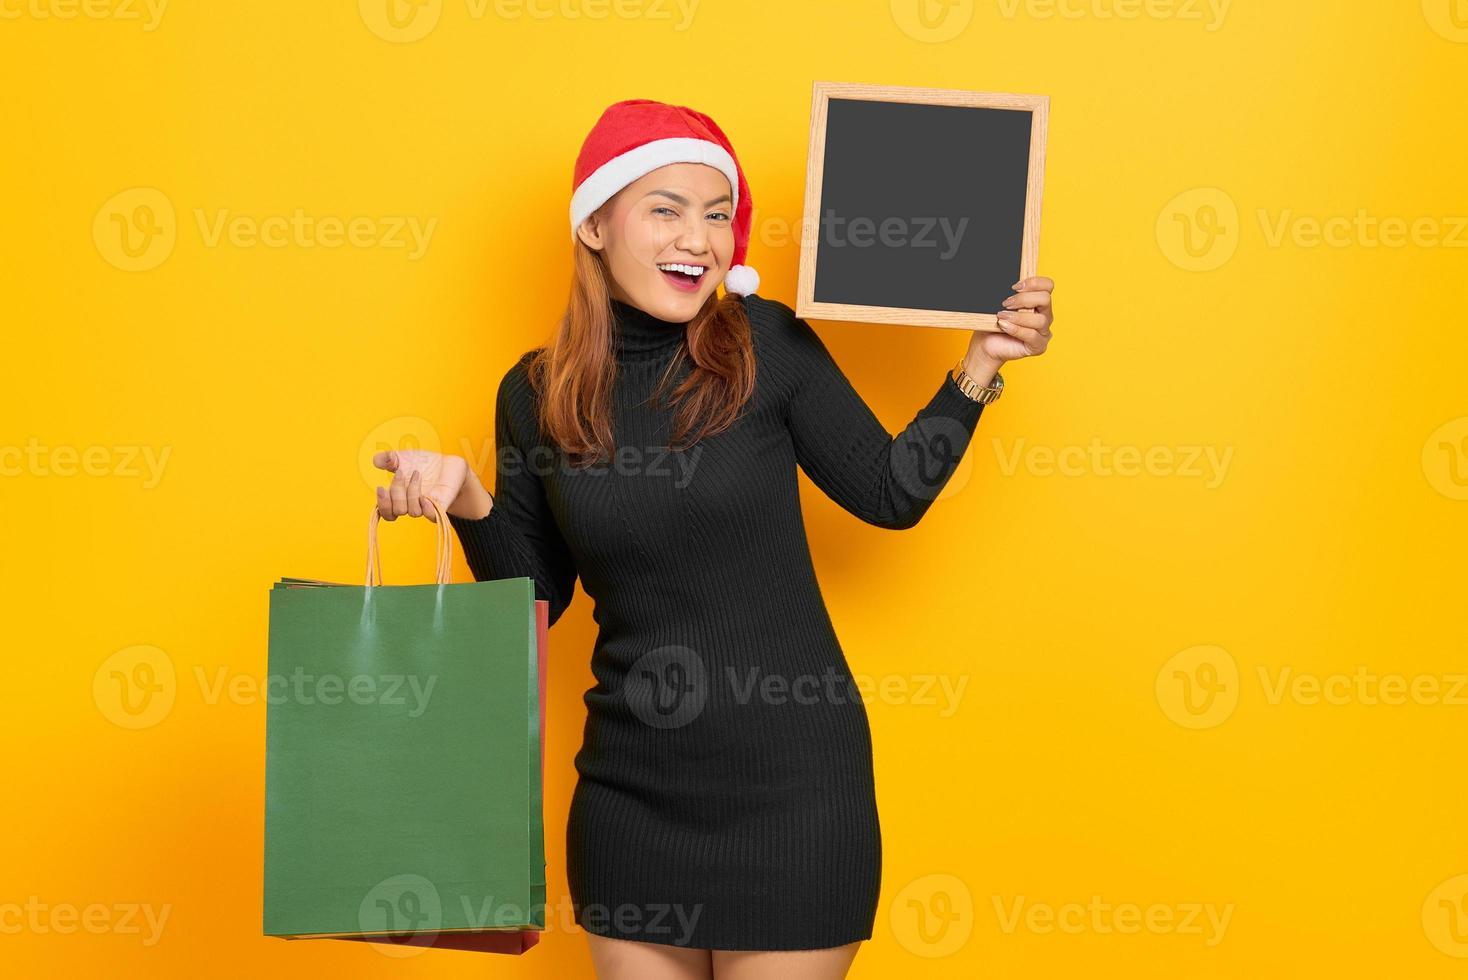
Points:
x=724 y=820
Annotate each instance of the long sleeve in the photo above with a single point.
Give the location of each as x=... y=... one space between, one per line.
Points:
x=847 y=452
x=519 y=535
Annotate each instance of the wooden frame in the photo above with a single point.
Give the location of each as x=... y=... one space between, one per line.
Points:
x=822 y=93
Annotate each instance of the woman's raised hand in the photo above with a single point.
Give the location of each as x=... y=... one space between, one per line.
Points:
x=416 y=474
x=1024 y=329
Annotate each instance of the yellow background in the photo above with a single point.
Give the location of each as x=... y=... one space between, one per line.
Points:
x=1074 y=605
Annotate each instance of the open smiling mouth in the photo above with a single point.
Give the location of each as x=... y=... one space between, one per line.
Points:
x=683 y=276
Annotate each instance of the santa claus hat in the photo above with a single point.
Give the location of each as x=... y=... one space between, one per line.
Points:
x=637 y=136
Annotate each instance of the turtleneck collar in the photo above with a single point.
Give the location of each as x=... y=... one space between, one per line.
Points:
x=639 y=334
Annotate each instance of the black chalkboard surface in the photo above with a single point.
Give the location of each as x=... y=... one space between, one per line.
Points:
x=922 y=205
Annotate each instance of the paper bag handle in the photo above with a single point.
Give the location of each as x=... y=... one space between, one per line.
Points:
x=444 y=549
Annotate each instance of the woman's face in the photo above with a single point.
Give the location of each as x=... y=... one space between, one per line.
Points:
x=682 y=215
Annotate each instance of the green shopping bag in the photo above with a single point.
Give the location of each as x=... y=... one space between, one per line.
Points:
x=403 y=760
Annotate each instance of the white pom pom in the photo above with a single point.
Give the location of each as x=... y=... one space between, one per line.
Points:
x=741 y=280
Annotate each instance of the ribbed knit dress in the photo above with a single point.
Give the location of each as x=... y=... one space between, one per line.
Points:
x=725 y=796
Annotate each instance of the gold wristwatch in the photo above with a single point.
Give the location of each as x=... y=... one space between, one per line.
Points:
x=979 y=393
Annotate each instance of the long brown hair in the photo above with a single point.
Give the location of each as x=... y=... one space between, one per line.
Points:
x=574 y=373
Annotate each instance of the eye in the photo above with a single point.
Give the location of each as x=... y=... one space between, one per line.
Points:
x=663 y=207
x=721 y=215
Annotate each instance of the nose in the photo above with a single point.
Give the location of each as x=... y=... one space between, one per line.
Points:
x=693 y=237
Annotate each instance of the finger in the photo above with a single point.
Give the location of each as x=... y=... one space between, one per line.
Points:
x=385 y=459
x=398 y=491
x=1030 y=298
x=430 y=511
x=443 y=497
x=1026 y=318
x=384 y=503
x=415 y=494
x=1033 y=339
x=438 y=493
x=1036 y=282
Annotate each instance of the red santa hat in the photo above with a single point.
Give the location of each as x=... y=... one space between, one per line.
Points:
x=637 y=136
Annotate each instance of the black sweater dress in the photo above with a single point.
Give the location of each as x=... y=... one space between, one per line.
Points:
x=725 y=795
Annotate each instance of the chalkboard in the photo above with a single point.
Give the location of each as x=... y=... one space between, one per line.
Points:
x=922 y=205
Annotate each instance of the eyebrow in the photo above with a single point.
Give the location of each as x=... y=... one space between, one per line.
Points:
x=684 y=201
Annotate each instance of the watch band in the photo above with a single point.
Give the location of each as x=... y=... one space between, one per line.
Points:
x=975 y=391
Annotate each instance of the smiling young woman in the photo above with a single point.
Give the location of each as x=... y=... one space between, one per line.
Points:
x=716 y=830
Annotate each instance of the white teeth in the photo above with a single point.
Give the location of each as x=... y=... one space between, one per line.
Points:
x=692 y=270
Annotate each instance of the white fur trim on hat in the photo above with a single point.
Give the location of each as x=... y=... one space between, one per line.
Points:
x=606 y=180
x=741 y=280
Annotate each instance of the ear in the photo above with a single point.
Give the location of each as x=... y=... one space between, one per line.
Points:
x=592 y=233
